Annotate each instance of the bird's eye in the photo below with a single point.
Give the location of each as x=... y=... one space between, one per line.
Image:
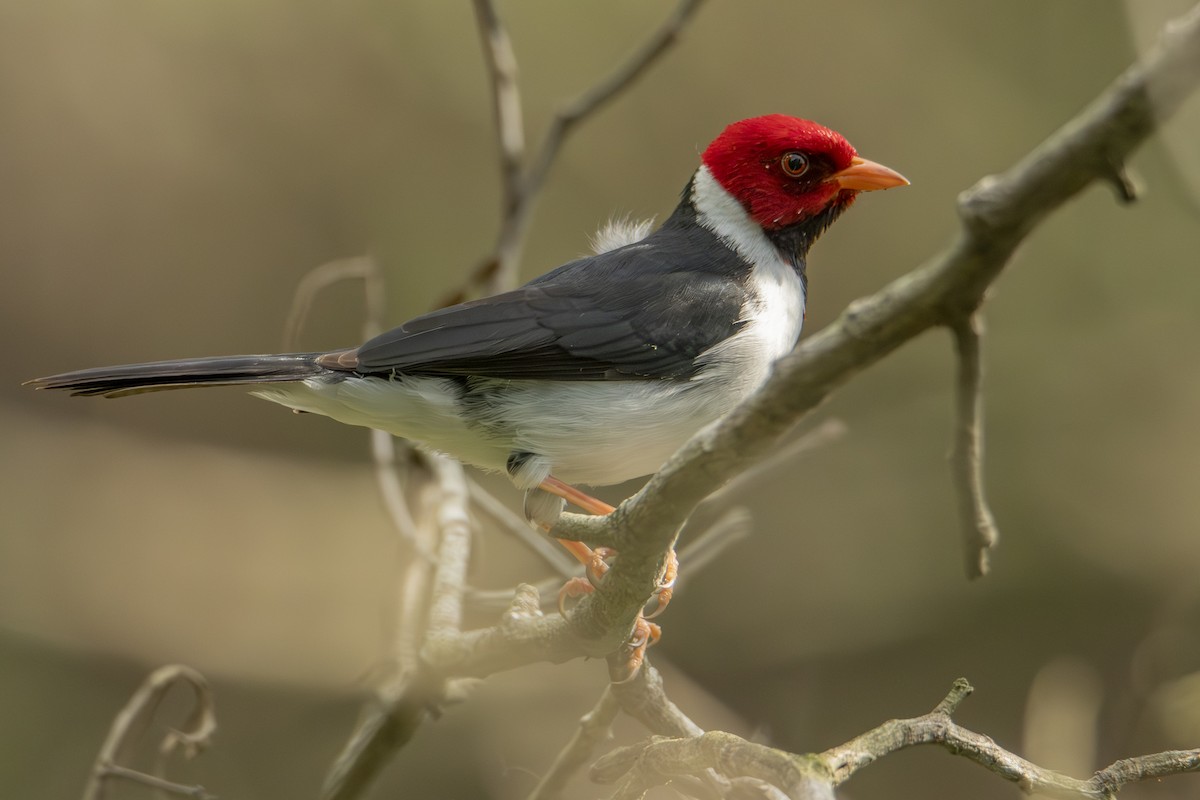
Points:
x=794 y=164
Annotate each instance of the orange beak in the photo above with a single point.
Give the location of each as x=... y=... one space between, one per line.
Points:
x=867 y=176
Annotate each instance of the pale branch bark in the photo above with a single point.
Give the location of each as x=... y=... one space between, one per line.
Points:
x=501 y=64
x=595 y=728
x=415 y=693
x=938 y=728
x=644 y=698
x=523 y=186
x=966 y=458
x=401 y=702
x=454 y=548
x=191 y=737
x=661 y=759
x=814 y=776
x=385 y=461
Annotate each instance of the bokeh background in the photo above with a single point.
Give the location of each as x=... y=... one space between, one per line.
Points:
x=170 y=170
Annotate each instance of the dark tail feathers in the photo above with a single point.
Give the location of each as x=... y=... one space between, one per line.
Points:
x=183 y=373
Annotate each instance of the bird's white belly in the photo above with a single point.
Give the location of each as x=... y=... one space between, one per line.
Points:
x=605 y=433
x=595 y=433
x=590 y=432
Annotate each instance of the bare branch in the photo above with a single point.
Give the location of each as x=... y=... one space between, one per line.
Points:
x=662 y=759
x=506 y=100
x=644 y=698
x=320 y=278
x=154 y=782
x=191 y=737
x=454 y=549
x=593 y=99
x=517 y=526
x=594 y=729
x=978 y=527
x=814 y=776
x=937 y=728
x=402 y=701
x=499 y=270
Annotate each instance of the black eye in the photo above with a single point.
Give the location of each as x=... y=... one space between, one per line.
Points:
x=794 y=164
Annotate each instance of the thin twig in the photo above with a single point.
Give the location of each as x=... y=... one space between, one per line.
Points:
x=157 y=783
x=594 y=729
x=322 y=277
x=191 y=737
x=594 y=98
x=966 y=459
x=644 y=698
x=499 y=269
x=512 y=523
x=805 y=444
x=506 y=101
x=730 y=528
x=403 y=701
x=814 y=776
x=938 y=728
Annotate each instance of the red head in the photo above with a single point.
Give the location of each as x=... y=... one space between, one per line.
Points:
x=785 y=170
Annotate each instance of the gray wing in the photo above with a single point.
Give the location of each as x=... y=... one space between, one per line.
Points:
x=623 y=315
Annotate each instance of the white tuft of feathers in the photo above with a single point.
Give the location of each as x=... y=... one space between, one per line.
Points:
x=619 y=232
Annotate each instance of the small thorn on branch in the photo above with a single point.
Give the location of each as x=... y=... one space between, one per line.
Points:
x=1123 y=183
x=978 y=526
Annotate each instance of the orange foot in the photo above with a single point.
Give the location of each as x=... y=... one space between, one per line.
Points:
x=626 y=662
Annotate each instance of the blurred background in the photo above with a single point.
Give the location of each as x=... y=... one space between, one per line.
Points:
x=170 y=170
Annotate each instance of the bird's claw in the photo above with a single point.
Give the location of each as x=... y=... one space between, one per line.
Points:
x=597 y=565
x=576 y=587
x=626 y=662
x=666 y=583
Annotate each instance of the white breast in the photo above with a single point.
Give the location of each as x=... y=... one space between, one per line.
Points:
x=774 y=318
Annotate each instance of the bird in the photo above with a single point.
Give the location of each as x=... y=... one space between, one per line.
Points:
x=597 y=371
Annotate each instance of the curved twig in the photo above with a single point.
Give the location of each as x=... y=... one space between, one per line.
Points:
x=192 y=737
